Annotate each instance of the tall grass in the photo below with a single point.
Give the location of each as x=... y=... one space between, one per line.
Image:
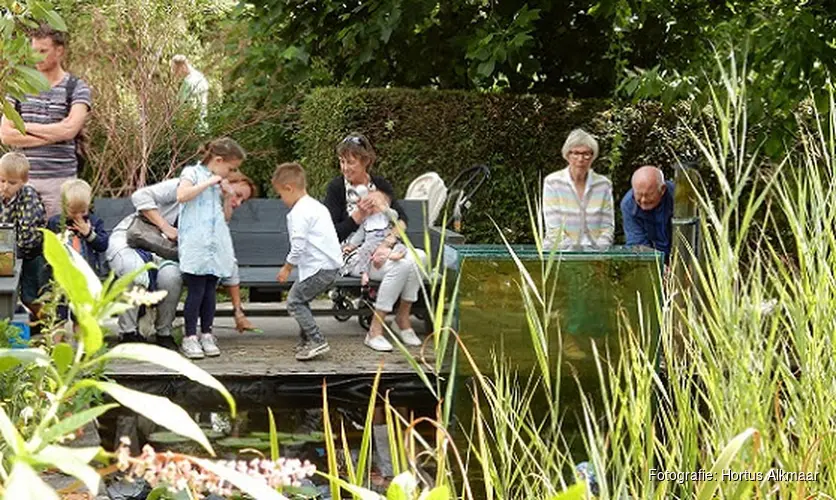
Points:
x=746 y=377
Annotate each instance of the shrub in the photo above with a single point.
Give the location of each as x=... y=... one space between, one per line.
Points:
x=518 y=136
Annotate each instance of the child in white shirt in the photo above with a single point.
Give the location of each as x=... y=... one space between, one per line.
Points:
x=314 y=249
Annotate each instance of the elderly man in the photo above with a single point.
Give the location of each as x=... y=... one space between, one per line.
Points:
x=647 y=210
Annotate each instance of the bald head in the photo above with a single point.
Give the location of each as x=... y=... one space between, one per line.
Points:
x=648 y=187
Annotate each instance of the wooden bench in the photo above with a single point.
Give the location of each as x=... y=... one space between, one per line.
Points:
x=259 y=234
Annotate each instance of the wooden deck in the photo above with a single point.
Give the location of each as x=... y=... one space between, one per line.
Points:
x=271 y=354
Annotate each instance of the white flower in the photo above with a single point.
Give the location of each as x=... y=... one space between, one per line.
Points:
x=142 y=297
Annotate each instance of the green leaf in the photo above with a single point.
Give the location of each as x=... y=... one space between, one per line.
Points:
x=62 y=356
x=91 y=331
x=10 y=434
x=274 y=437
x=245 y=442
x=26 y=356
x=157 y=493
x=709 y=488
x=395 y=492
x=243 y=482
x=72 y=461
x=11 y=113
x=25 y=484
x=158 y=409
x=33 y=77
x=575 y=492
x=75 y=421
x=171 y=360
x=55 y=20
x=67 y=275
x=486 y=68
x=439 y=493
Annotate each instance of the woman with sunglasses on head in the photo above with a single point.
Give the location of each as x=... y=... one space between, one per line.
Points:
x=352 y=198
x=577 y=202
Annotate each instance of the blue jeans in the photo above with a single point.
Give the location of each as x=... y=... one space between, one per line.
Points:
x=300 y=297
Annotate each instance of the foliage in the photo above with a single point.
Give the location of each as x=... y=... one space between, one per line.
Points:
x=741 y=380
x=65 y=371
x=784 y=48
x=574 y=48
x=17 y=77
x=519 y=136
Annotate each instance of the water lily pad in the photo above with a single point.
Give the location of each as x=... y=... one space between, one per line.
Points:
x=165 y=437
x=246 y=442
x=266 y=435
x=213 y=435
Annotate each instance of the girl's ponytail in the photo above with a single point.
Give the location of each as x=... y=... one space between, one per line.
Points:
x=224 y=147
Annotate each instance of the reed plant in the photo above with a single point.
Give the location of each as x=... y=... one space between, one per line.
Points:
x=734 y=400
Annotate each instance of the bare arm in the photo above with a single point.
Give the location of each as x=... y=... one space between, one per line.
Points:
x=61 y=131
x=154 y=217
x=10 y=136
x=187 y=191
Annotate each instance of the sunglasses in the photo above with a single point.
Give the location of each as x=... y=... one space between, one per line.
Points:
x=353 y=139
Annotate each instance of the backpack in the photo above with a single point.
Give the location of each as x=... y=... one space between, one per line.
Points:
x=80 y=140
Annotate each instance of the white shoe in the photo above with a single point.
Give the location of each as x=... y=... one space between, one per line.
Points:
x=147 y=321
x=409 y=338
x=190 y=347
x=378 y=343
x=207 y=342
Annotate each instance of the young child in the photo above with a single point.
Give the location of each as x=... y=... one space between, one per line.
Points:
x=22 y=207
x=314 y=249
x=88 y=236
x=87 y=233
x=204 y=242
x=377 y=236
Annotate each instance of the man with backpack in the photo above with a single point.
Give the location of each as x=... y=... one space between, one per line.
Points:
x=53 y=121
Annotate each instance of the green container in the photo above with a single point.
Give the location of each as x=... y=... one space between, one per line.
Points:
x=594 y=296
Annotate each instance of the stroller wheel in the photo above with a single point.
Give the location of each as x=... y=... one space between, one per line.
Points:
x=343 y=304
x=365 y=321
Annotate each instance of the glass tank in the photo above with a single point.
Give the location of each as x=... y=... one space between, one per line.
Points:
x=585 y=297
x=7 y=249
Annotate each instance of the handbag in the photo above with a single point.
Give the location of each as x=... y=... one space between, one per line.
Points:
x=145 y=235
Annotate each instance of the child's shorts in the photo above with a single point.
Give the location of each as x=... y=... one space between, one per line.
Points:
x=32 y=279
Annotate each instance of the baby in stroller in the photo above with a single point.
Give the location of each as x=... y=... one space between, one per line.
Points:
x=375 y=242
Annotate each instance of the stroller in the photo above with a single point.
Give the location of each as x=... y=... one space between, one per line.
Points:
x=456 y=200
x=431 y=188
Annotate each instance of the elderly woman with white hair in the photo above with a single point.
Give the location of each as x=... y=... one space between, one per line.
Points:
x=578 y=203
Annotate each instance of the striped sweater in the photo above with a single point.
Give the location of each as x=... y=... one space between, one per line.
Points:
x=570 y=222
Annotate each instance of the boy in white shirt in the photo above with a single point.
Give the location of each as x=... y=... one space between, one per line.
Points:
x=314 y=249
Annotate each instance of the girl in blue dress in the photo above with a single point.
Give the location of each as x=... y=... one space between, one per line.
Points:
x=205 y=245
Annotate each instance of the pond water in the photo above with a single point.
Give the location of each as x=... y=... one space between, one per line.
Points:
x=300 y=432
x=592 y=296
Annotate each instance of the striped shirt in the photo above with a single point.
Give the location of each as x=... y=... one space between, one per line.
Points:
x=52 y=160
x=571 y=222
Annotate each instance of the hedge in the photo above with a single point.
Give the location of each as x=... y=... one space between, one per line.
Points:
x=519 y=136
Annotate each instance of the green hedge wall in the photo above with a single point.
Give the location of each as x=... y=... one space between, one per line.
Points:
x=518 y=136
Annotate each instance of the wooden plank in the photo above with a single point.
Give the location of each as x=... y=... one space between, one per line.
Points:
x=271 y=354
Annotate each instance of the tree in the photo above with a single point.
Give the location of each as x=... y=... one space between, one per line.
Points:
x=17 y=76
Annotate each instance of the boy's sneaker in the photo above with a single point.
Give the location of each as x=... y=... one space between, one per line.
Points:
x=191 y=347
x=378 y=343
x=166 y=341
x=207 y=342
x=409 y=338
x=312 y=348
